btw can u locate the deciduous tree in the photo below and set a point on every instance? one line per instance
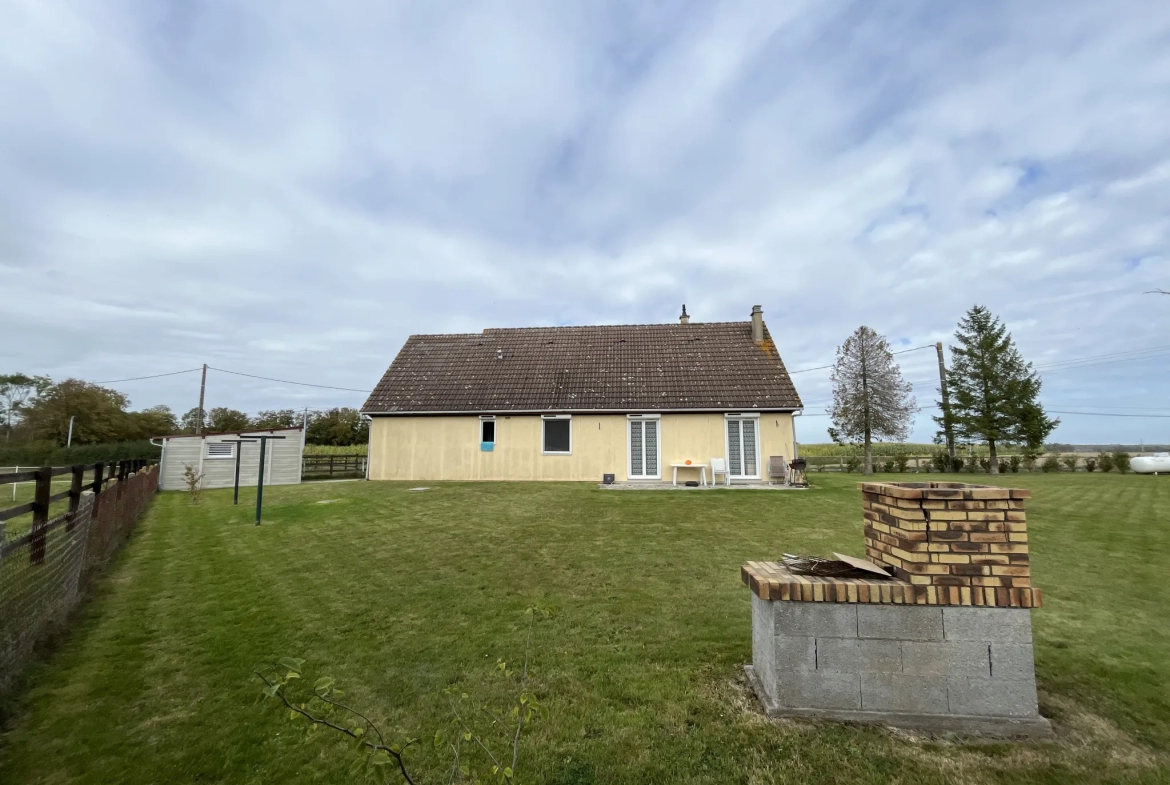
(99, 413)
(994, 393)
(190, 419)
(154, 421)
(277, 418)
(15, 391)
(871, 400)
(221, 418)
(342, 427)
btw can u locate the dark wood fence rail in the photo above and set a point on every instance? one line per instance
(330, 465)
(44, 498)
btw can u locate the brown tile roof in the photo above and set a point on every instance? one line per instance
(635, 367)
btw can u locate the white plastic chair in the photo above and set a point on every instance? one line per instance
(719, 466)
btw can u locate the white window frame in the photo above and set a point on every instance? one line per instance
(231, 454)
(545, 418)
(727, 443)
(495, 430)
(630, 419)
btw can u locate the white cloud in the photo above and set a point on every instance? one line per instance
(290, 193)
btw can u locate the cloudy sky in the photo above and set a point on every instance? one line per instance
(291, 189)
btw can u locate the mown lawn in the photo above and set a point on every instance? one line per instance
(399, 594)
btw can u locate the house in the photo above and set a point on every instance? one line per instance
(576, 403)
(214, 456)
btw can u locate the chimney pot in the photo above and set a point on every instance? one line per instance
(684, 319)
(757, 324)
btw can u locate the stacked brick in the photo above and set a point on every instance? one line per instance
(956, 544)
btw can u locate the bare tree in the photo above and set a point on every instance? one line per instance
(870, 398)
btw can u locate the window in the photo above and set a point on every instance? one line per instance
(743, 446)
(487, 430)
(221, 450)
(644, 446)
(558, 434)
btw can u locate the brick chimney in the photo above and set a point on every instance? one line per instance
(683, 318)
(757, 324)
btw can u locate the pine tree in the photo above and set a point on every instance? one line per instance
(870, 398)
(994, 393)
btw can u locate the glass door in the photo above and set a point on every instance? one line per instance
(743, 460)
(643, 444)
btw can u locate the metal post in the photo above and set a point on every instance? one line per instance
(260, 474)
(948, 428)
(202, 390)
(239, 454)
(69, 438)
(236, 482)
(260, 480)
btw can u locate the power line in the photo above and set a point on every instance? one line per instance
(806, 370)
(155, 376)
(823, 367)
(1110, 414)
(286, 381)
(915, 349)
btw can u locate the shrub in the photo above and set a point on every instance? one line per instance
(1121, 461)
(939, 461)
(1003, 465)
(1014, 464)
(1050, 464)
(1090, 464)
(50, 454)
(852, 463)
(888, 466)
(901, 461)
(985, 464)
(1070, 462)
(1029, 463)
(1105, 462)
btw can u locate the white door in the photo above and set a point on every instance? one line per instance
(743, 460)
(644, 453)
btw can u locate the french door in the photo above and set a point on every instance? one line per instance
(743, 439)
(644, 448)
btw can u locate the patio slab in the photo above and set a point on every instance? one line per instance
(666, 486)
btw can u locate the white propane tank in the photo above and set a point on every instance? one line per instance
(1158, 463)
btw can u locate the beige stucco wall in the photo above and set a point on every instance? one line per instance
(447, 448)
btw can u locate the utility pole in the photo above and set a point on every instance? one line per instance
(948, 428)
(202, 390)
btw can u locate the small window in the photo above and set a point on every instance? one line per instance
(220, 450)
(487, 429)
(558, 434)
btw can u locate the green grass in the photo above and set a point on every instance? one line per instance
(15, 494)
(398, 595)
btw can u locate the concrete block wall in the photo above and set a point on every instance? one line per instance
(895, 659)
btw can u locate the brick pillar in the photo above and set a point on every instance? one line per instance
(961, 544)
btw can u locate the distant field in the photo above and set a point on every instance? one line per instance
(891, 448)
(325, 449)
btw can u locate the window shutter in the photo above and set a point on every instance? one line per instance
(651, 427)
(636, 468)
(749, 448)
(734, 452)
